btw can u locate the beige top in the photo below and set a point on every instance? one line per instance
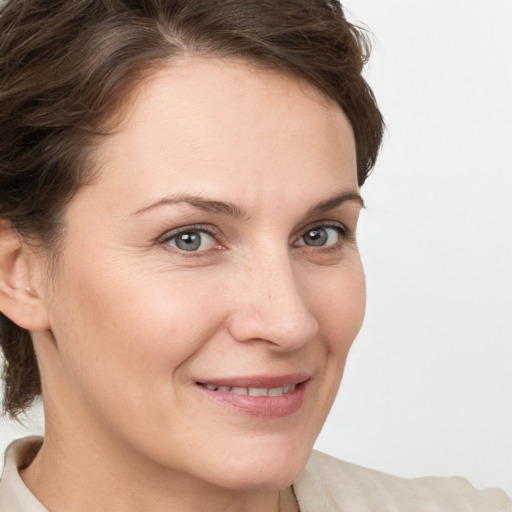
(326, 485)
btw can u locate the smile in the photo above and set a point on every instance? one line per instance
(263, 397)
(278, 391)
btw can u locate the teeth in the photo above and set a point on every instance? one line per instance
(258, 391)
(275, 392)
(282, 390)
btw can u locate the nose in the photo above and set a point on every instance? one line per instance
(271, 307)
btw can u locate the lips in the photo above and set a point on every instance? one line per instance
(260, 396)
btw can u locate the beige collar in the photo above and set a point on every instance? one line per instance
(14, 494)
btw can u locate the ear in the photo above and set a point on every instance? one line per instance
(19, 299)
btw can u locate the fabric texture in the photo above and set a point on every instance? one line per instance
(326, 485)
(331, 485)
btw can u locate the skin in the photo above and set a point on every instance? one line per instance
(133, 323)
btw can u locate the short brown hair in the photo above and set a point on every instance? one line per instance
(66, 64)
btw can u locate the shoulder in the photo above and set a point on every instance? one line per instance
(14, 495)
(328, 485)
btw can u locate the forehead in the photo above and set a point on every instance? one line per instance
(207, 122)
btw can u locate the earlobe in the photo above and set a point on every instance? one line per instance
(19, 300)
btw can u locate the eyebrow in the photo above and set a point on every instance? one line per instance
(338, 199)
(237, 211)
(207, 205)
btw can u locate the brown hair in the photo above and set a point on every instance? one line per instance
(66, 64)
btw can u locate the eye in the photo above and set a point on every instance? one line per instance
(321, 236)
(192, 240)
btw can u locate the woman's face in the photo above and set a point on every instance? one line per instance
(209, 287)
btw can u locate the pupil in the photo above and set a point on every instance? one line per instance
(189, 241)
(316, 237)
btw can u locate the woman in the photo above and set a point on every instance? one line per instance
(179, 274)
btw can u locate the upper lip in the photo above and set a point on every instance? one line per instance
(259, 381)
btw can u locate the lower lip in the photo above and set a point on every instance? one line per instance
(260, 406)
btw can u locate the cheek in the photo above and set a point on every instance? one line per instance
(339, 309)
(130, 328)
(338, 301)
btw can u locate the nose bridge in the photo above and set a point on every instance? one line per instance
(274, 305)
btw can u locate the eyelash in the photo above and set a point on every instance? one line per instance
(343, 231)
(200, 228)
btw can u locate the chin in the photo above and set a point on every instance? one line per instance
(268, 467)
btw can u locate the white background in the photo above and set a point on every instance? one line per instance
(428, 386)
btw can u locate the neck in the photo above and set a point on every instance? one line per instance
(66, 477)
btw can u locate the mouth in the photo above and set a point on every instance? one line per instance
(251, 391)
(264, 397)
